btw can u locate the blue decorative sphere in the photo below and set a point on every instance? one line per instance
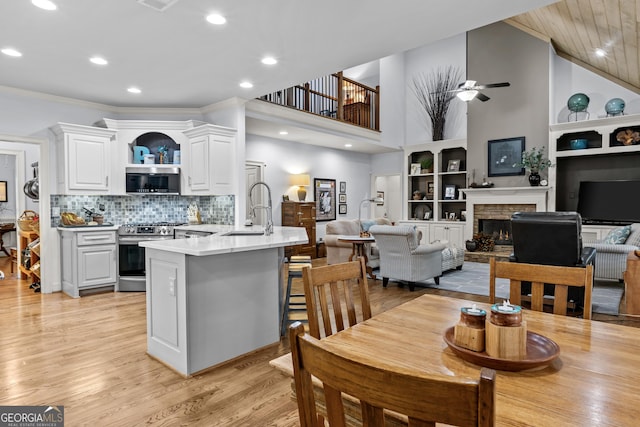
(614, 107)
(578, 102)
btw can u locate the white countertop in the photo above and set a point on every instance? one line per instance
(220, 244)
(76, 228)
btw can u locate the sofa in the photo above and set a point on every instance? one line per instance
(338, 252)
(612, 251)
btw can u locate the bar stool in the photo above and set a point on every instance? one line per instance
(294, 302)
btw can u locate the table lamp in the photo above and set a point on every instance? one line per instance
(377, 200)
(301, 180)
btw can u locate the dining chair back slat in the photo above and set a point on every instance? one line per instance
(330, 296)
(539, 275)
(424, 398)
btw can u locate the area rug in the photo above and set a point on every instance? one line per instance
(474, 279)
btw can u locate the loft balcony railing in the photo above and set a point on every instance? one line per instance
(335, 97)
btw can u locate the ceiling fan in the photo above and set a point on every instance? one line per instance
(470, 89)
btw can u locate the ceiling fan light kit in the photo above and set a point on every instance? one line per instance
(467, 95)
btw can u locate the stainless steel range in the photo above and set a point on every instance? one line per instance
(131, 266)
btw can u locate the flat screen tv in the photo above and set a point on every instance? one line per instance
(609, 202)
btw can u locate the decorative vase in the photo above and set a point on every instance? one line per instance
(471, 245)
(534, 179)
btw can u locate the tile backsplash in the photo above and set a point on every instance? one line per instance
(147, 208)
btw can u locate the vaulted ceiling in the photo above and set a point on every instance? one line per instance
(600, 35)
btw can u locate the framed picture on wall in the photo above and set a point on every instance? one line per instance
(3, 191)
(343, 186)
(325, 196)
(380, 195)
(342, 198)
(342, 209)
(503, 156)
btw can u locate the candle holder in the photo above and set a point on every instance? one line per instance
(506, 332)
(470, 330)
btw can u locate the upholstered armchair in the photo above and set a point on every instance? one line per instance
(612, 252)
(403, 258)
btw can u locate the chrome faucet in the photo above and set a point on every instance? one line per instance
(268, 228)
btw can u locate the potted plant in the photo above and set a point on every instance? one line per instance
(534, 162)
(426, 165)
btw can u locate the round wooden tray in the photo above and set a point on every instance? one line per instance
(540, 351)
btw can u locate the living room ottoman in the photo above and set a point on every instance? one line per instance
(452, 257)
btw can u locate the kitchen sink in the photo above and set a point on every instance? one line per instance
(244, 233)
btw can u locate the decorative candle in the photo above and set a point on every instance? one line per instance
(506, 314)
(473, 316)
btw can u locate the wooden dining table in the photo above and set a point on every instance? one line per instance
(594, 381)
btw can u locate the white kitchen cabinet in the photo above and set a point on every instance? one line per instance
(83, 159)
(89, 259)
(210, 161)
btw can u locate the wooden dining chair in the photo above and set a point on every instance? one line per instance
(329, 294)
(539, 275)
(422, 397)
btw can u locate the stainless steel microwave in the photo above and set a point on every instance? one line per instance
(153, 180)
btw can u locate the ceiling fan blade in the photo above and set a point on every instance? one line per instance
(468, 84)
(490, 85)
(482, 97)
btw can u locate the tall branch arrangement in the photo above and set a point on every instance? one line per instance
(434, 92)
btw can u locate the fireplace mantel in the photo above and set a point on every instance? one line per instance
(503, 196)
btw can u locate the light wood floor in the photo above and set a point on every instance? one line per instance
(88, 354)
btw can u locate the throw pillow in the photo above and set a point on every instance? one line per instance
(618, 236)
(366, 224)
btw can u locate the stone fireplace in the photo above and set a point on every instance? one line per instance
(497, 205)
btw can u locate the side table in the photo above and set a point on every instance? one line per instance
(359, 249)
(632, 284)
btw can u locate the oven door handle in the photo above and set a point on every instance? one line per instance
(136, 240)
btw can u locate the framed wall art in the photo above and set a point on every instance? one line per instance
(3, 191)
(342, 198)
(503, 155)
(380, 195)
(342, 209)
(343, 186)
(325, 196)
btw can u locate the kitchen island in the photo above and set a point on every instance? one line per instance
(211, 299)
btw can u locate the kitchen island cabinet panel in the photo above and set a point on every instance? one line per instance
(201, 312)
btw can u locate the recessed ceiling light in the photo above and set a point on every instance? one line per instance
(269, 60)
(134, 90)
(44, 4)
(11, 52)
(98, 60)
(284, 132)
(348, 145)
(601, 53)
(216, 19)
(246, 85)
